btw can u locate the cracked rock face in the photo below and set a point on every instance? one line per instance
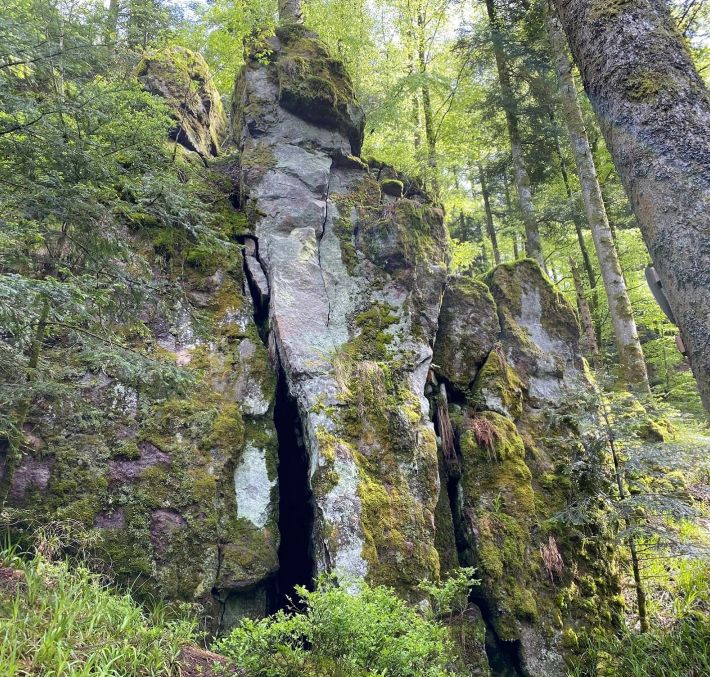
(355, 279)
(525, 451)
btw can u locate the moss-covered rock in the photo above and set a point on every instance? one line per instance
(315, 86)
(468, 330)
(150, 466)
(520, 428)
(182, 78)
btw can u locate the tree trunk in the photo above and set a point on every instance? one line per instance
(416, 112)
(589, 338)
(490, 226)
(622, 319)
(111, 32)
(432, 179)
(635, 568)
(290, 12)
(654, 112)
(533, 246)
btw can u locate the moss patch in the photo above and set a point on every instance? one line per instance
(315, 86)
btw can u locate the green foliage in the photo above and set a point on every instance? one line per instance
(93, 198)
(683, 649)
(450, 597)
(346, 631)
(57, 619)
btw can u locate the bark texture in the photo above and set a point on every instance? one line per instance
(490, 226)
(654, 113)
(622, 319)
(533, 247)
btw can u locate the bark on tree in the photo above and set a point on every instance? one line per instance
(654, 112)
(533, 246)
(490, 226)
(589, 338)
(625, 333)
(290, 12)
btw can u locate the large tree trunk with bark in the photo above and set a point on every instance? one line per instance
(622, 319)
(533, 245)
(654, 112)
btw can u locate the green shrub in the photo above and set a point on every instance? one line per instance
(343, 632)
(57, 620)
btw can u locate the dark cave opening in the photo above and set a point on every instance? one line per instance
(296, 506)
(503, 656)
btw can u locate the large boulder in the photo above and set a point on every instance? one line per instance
(468, 330)
(182, 78)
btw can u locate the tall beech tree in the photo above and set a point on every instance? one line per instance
(654, 112)
(620, 311)
(533, 245)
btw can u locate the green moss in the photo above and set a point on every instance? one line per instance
(315, 86)
(228, 428)
(645, 84)
(497, 484)
(373, 338)
(258, 159)
(393, 187)
(608, 9)
(497, 382)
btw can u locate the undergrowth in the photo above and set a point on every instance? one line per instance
(350, 631)
(58, 619)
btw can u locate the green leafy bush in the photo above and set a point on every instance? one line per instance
(343, 632)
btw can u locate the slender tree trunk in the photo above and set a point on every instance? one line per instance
(416, 111)
(290, 12)
(432, 168)
(533, 245)
(588, 269)
(622, 319)
(586, 259)
(654, 112)
(589, 335)
(635, 568)
(111, 32)
(490, 226)
(509, 212)
(14, 456)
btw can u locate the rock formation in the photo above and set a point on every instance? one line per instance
(353, 408)
(355, 279)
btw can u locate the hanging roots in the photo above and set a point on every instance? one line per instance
(446, 430)
(485, 433)
(552, 559)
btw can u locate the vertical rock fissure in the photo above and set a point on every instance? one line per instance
(320, 240)
(503, 656)
(296, 504)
